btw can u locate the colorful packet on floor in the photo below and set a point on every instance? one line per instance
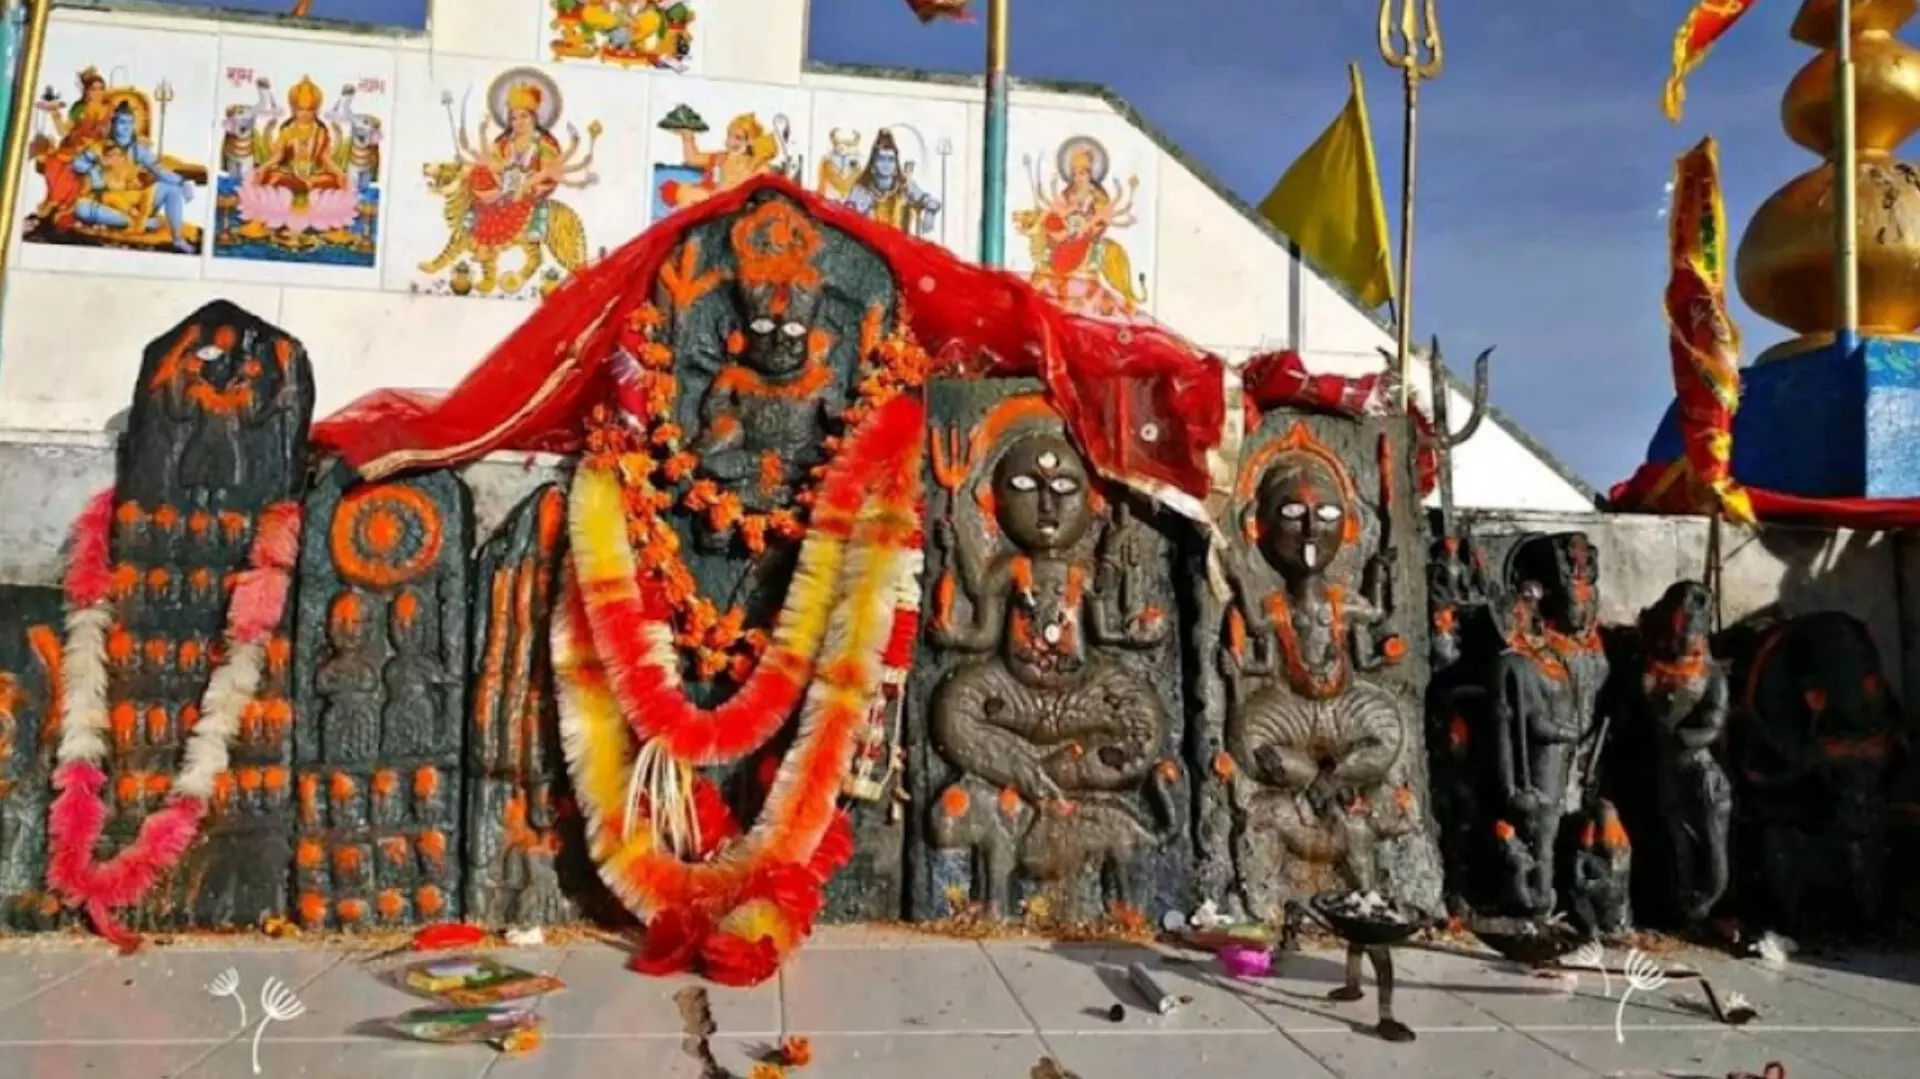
(453, 1026)
(476, 982)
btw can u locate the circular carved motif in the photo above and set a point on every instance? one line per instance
(385, 536)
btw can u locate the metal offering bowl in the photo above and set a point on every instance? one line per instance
(1374, 932)
(1526, 940)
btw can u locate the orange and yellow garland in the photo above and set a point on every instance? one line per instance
(743, 902)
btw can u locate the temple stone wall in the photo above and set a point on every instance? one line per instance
(389, 324)
(1870, 575)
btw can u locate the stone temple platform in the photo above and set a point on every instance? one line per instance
(884, 1005)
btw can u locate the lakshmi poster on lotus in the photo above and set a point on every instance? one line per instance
(1081, 195)
(711, 136)
(383, 14)
(646, 34)
(900, 161)
(117, 175)
(302, 140)
(510, 179)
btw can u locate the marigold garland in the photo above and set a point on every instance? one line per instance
(79, 812)
(745, 904)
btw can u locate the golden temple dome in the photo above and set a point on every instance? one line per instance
(1787, 263)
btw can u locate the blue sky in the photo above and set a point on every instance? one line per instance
(1542, 163)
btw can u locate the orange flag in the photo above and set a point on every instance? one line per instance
(1702, 341)
(1705, 24)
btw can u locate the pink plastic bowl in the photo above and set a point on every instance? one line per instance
(1245, 962)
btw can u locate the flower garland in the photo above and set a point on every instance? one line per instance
(748, 900)
(79, 813)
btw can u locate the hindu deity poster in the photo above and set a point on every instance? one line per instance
(385, 14)
(298, 195)
(117, 172)
(899, 160)
(646, 34)
(709, 136)
(1081, 202)
(510, 179)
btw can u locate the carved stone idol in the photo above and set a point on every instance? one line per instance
(380, 701)
(1542, 696)
(31, 621)
(1675, 717)
(1815, 747)
(217, 433)
(1057, 762)
(517, 789)
(1324, 762)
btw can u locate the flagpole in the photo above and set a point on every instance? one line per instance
(19, 122)
(993, 206)
(1846, 173)
(1416, 56)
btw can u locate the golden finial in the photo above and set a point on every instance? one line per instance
(1787, 258)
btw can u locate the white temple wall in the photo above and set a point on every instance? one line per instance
(76, 318)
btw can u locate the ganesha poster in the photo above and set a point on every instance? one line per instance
(1082, 193)
(644, 35)
(299, 192)
(898, 160)
(708, 136)
(510, 178)
(118, 171)
(384, 14)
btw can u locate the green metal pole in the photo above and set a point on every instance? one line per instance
(1846, 174)
(993, 205)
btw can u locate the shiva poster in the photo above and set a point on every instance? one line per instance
(655, 34)
(1081, 195)
(116, 180)
(710, 136)
(898, 160)
(381, 14)
(512, 179)
(302, 139)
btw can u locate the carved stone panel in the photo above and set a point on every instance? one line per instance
(1526, 713)
(1044, 719)
(216, 434)
(519, 813)
(1313, 763)
(380, 700)
(30, 626)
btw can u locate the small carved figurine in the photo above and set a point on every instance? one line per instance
(349, 682)
(1602, 873)
(416, 719)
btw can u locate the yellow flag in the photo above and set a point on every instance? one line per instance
(1329, 204)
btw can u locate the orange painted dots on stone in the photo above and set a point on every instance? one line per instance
(346, 860)
(311, 855)
(126, 789)
(313, 909)
(425, 782)
(954, 802)
(394, 849)
(391, 905)
(158, 785)
(165, 517)
(1223, 765)
(310, 797)
(341, 787)
(1009, 801)
(353, 911)
(126, 577)
(156, 724)
(433, 844)
(120, 646)
(198, 522)
(430, 900)
(127, 514)
(384, 783)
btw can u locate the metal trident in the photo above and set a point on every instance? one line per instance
(1416, 55)
(1407, 52)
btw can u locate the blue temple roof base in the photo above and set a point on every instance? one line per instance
(1825, 423)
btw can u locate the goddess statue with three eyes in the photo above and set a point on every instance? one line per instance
(1054, 738)
(1317, 752)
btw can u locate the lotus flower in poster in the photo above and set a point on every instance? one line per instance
(932, 10)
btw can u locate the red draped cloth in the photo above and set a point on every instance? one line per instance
(1663, 487)
(1145, 405)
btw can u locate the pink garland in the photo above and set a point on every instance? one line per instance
(79, 812)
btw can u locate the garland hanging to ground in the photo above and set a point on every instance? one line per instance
(79, 811)
(745, 901)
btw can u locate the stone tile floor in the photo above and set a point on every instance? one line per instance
(888, 1005)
